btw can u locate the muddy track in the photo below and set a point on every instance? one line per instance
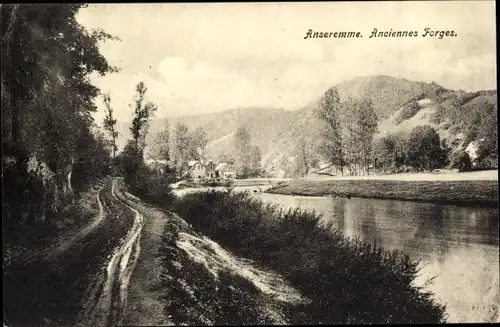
(107, 296)
(83, 281)
(198, 282)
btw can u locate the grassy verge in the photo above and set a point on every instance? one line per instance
(470, 193)
(347, 281)
(192, 295)
(41, 236)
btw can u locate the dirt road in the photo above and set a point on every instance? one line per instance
(184, 278)
(83, 281)
(136, 264)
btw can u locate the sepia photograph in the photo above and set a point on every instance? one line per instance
(265, 163)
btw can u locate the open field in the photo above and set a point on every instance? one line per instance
(485, 175)
(482, 193)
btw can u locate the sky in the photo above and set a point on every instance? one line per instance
(207, 57)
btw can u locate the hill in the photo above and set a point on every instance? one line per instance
(400, 104)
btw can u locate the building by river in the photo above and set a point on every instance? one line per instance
(201, 170)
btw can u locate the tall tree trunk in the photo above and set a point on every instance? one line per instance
(114, 140)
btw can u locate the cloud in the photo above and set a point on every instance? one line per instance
(197, 58)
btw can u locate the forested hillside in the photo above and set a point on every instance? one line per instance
(400, 105)
(51, 149)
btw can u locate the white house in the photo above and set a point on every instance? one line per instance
(199, 169)
(196, 169)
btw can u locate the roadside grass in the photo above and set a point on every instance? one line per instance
(193, 296)
(41, 236)
(470, 193)
(346, 280)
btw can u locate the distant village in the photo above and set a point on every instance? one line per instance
(200, 169)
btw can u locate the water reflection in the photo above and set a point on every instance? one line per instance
(457, 245)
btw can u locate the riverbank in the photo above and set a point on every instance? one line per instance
(369, 284)
(481, 193)
(232, 183)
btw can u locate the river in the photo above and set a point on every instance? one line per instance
(459, 246)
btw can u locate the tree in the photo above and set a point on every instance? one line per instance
(131, 162)
(142, 116)
(255, 161)
(461, 160)
(367, 122)
(198, 144)
(385, 151)
(143, 113)
(443, 155)
(162, 142)
(424, 148)
(181, 148)
(409, 110)
(360, 127)
(390, 152)
(92, 158)
(329, 111)
(243, 147)
(302, 161)
(47, 99)
(488, 134)
(351, 134)
(110, 122)
(226, 158)
(161, 148)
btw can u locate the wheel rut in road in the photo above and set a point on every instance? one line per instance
(107, 296)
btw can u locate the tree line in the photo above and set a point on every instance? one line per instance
(178, 146)
(350, 144)
(349, 129)
(51, 148)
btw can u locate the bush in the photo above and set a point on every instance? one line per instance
(348, 281)
(152, 186)
(461, 161)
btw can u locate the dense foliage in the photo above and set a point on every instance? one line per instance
(49, 142)
(422, 150)
(349, 129)
(247, 157)
(348, 281)
(147, 182)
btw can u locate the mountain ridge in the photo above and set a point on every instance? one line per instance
(277, 131)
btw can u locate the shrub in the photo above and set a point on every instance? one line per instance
(348, 281)
(152, 186)
(461, 161)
